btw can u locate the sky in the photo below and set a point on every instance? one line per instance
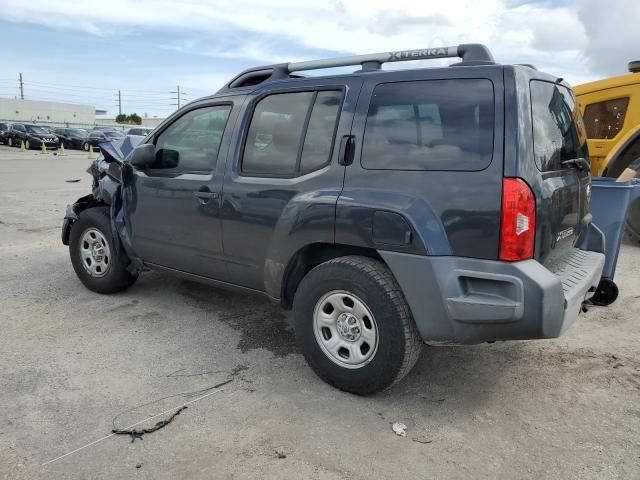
(84, 52)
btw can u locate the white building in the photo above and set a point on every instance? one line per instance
(46, 112)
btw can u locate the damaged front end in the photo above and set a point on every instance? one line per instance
(111, 187)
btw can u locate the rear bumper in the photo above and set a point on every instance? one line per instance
(466, 300)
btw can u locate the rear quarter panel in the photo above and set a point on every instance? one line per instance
(451, 212)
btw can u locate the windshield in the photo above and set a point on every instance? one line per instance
(37, 130)
(113, 134)
(78, 132)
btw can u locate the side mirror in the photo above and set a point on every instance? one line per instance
(143, 156)
(168, 158)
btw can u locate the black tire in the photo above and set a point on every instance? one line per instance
(606, 293)
(116, 278)
(398, 341)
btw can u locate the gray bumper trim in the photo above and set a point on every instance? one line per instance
(466, 300)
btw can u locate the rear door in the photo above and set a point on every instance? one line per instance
(561, 157)
(281, 186)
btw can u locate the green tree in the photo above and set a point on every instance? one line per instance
(134, 119)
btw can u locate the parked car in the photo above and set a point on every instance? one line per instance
(385, 208)
(72, 137)
(4, 132)
(139, 131)
(96, 137)
(107, 128)
(33, 136)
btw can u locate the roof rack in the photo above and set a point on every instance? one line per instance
(470, 53)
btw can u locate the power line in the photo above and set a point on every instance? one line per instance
(67, 86)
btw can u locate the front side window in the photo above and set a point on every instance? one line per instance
(430, 125)
(558, 129)
(291, 133)
(192, 142)
(604, 120)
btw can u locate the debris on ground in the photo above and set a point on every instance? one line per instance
(422, 439)
(138, 433)
(139, 465)
(73, 180)
(400, 429)
(280, 454)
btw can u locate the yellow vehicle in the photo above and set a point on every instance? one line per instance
(611, 112)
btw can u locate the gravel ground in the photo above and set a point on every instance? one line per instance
(72, 360)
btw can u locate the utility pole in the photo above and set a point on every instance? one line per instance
(21, 87)
(178, 96)
(119, 103)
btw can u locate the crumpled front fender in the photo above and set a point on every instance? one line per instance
(110, 188)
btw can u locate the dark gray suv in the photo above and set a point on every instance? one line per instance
(386, 208)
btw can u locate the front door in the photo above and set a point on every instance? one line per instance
(174, 216)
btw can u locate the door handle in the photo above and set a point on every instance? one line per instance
(347, 150)
(204, 195)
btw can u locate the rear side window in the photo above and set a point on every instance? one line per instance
(291, 133)
(558, 130)
(604, 120)
(430, 125)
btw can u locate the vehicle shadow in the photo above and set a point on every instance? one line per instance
(462, 378)
(261, 323)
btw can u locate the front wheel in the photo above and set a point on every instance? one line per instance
(10, 142)
(354, 326)
(85, 147)
(93, 254)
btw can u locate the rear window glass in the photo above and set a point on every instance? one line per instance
(430, 125)
(604, 120)
(291, 134)
(558, 130)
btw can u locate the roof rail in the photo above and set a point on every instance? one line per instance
(470, 53)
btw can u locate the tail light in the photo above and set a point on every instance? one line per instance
(518, 224)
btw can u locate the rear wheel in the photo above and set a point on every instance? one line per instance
(93, 254)
(354, 326)
(85, 147)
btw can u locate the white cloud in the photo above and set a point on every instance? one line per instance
(579, 42)
(613, 34)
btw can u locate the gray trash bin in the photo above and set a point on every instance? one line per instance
(609, 206)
